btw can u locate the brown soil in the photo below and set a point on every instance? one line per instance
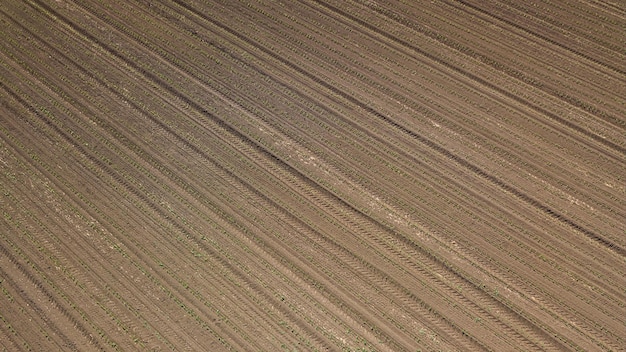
(332, 175)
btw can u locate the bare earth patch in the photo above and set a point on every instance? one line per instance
(312, 175)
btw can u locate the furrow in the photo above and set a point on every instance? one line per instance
(407, 48)
(550, 212)
(311, 175)
(138, 195)
(58, 300)
(557, 39)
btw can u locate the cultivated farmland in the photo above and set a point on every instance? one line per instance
(330, 175)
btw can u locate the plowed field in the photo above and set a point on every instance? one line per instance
(332, 175)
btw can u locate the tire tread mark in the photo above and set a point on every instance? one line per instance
(367, 227)
(257, 69)
(304, 97)
(120, 179)
(550, 212)
(29, 302)
(258, 148)
(511, 72)
(275, 166)
(12, 336)
(166, 87)
(393, 146)
(188, 101)
(75, 322)
(447, 65)
(423, 140)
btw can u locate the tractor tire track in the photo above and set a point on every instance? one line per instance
(434, 146)
(141, 196)
(224, 170)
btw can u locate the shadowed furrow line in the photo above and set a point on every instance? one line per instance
(475, 78)
(266, 74)
(186, 100)
(52, 298)
(432, 145)
(164, 215)
(116, 177)
(510, 71)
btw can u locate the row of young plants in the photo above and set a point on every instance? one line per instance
(65, 300)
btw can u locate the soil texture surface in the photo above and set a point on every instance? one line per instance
(312, 175)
